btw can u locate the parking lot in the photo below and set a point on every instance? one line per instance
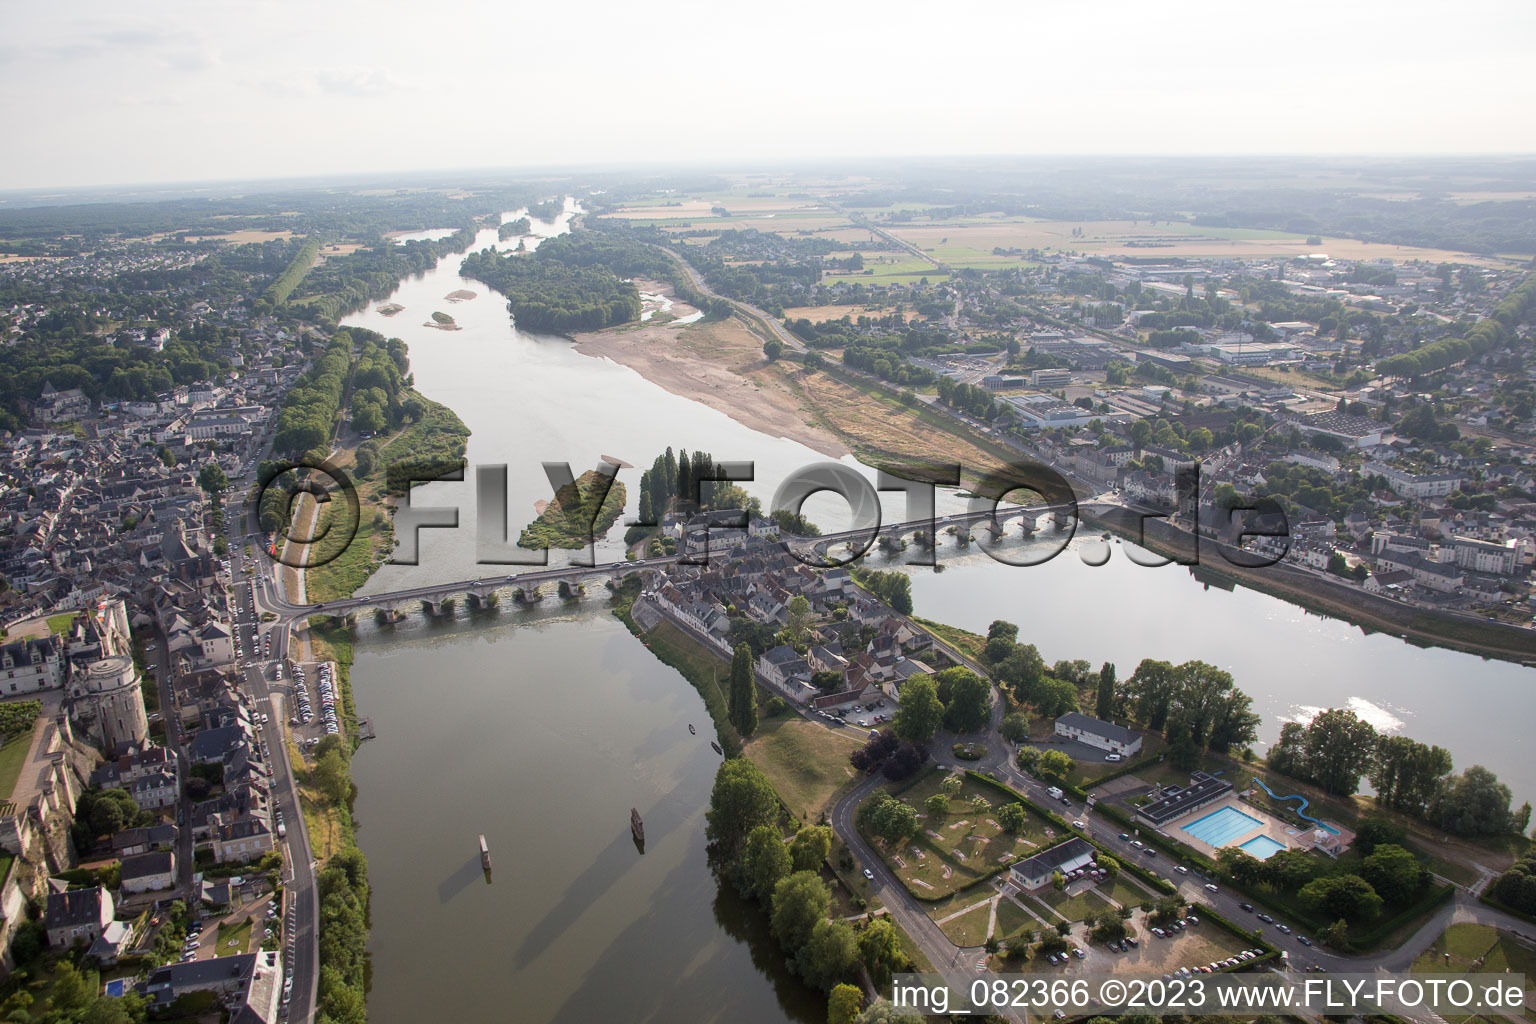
(315, 710)
(870, 715)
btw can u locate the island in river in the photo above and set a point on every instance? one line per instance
(579, 513)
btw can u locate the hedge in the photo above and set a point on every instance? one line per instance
(1496, 904)
(1373, 938)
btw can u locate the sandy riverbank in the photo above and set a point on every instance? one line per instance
(711, 363)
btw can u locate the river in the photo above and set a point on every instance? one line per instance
(541, 727)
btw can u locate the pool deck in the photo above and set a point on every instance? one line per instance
(1280, 831)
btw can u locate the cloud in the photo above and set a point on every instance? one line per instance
(353, 80)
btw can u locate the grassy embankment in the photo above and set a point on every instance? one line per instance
(439, 436)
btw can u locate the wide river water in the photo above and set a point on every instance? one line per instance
(542, 727)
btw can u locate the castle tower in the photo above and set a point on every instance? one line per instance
(109, 693)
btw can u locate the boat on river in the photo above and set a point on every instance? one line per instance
(485, 854)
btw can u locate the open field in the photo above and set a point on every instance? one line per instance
(974, 239)
(817, 314)
(243, 237)
(806, 763)
(887, 268)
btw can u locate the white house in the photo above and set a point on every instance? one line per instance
(1116, 739)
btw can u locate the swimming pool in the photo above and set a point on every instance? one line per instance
(1222, 826)
(1262, 847)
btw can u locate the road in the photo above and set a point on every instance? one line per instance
(252, 595)
(943, 953)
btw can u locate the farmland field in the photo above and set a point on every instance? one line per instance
(973, 239)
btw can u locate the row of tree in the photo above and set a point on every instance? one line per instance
(1337, 748)
(747, 830)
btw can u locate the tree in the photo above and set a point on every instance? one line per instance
(213, 480)
(1015, 727)
(799, 901)
(1001, 636)
(844, 1003)
(798, 622)
(1104, 706)
(1347, 896)
(967, 699)
(1337, 934)
(888, 817)
(742, 799)
(1406, 773)
(1151, 690)
(951, 786)
(743, 692)
(1377, 831)
(1394, 873)
(1475, 804)
(1333, 750)
(332, 774)
(884, 1012)
(810, 847)
(1054, 764)
(765, 861)
(1012, 817)
(828, 955)
(880, 949)
(918, 711)
(1023, 669)
(936, 805)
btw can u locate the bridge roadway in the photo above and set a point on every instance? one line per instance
(435, 591)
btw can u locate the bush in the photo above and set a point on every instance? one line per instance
(969, 751)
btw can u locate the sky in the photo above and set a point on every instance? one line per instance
(96, 92)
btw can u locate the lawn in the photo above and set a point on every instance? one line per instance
(969, 929)
(1468, 942)
(965, 846)
(806, 763)
(13, 755)
(1073, 908)
(59, 623)
(1124, 891)
(240, 935)
(1011, 920)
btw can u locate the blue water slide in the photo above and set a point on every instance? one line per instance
(1301, 808)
